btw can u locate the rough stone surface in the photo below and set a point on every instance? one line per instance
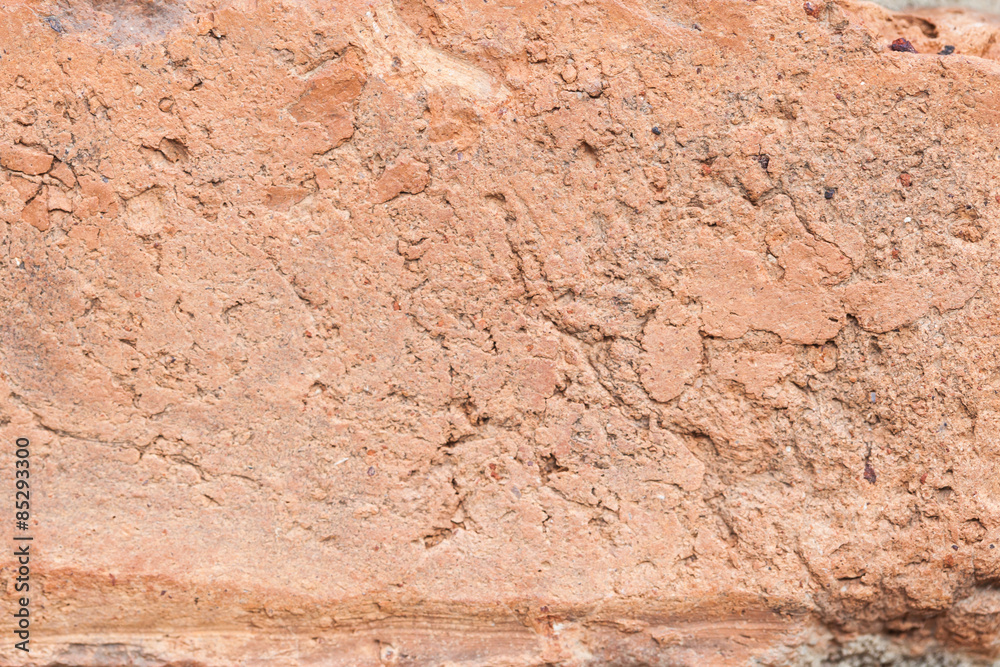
(502, 333)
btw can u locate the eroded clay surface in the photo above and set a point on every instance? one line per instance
(501, 333)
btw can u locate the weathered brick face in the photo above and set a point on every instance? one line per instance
(570, 333)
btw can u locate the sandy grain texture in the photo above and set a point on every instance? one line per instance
(426, 332)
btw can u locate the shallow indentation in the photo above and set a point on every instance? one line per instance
(121, 22)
